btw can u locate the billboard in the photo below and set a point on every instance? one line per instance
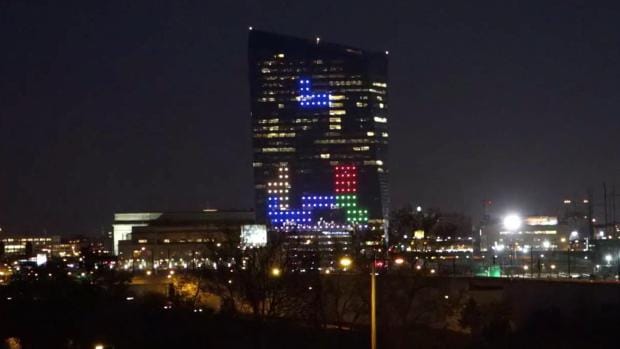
(253, 235)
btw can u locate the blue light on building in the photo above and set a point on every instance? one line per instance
(310, 98)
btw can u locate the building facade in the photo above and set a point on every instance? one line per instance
(530, 232)
(175, 239)
(319, 118)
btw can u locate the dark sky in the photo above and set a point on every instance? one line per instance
(143, 105)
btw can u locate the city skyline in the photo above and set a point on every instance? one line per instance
(102, 113)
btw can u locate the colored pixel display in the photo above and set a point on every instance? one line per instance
(343, 198)
(309, 98)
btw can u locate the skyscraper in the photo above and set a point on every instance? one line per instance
(319, 117)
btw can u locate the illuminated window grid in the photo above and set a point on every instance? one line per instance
(290, 217)
(318, 201)
(345, 185)
(357, 216)
(278, 190)
(345, 179)
(309, 98)
(346, 201)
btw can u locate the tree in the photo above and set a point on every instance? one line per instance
(406, 220)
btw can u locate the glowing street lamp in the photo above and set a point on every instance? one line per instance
(608, 258)
(345, 262)
(399, 261)
(275, 272)
(512, 222)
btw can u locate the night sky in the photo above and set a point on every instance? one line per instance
(112, 106)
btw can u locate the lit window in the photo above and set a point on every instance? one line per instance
(380, 119)
(337, 112)
(325, 156)
(278, 150)
(335, 119)
(370, 133)
(334, 127)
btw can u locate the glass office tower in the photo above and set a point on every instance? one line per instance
(319, 118)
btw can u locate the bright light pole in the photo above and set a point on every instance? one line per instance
(512, 222)
(373, 307)
(347, 262)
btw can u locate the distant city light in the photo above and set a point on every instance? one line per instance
(512, 222)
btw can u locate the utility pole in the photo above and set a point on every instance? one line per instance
(590, 213)
(570, 243)
(605, 203)
(532, 261)
(373, 307)
(613, 208)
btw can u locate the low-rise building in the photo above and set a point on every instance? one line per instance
(182, 239)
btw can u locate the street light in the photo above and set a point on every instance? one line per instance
(345, 262)
(399, 261)
(512, 222)
(275, 272)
